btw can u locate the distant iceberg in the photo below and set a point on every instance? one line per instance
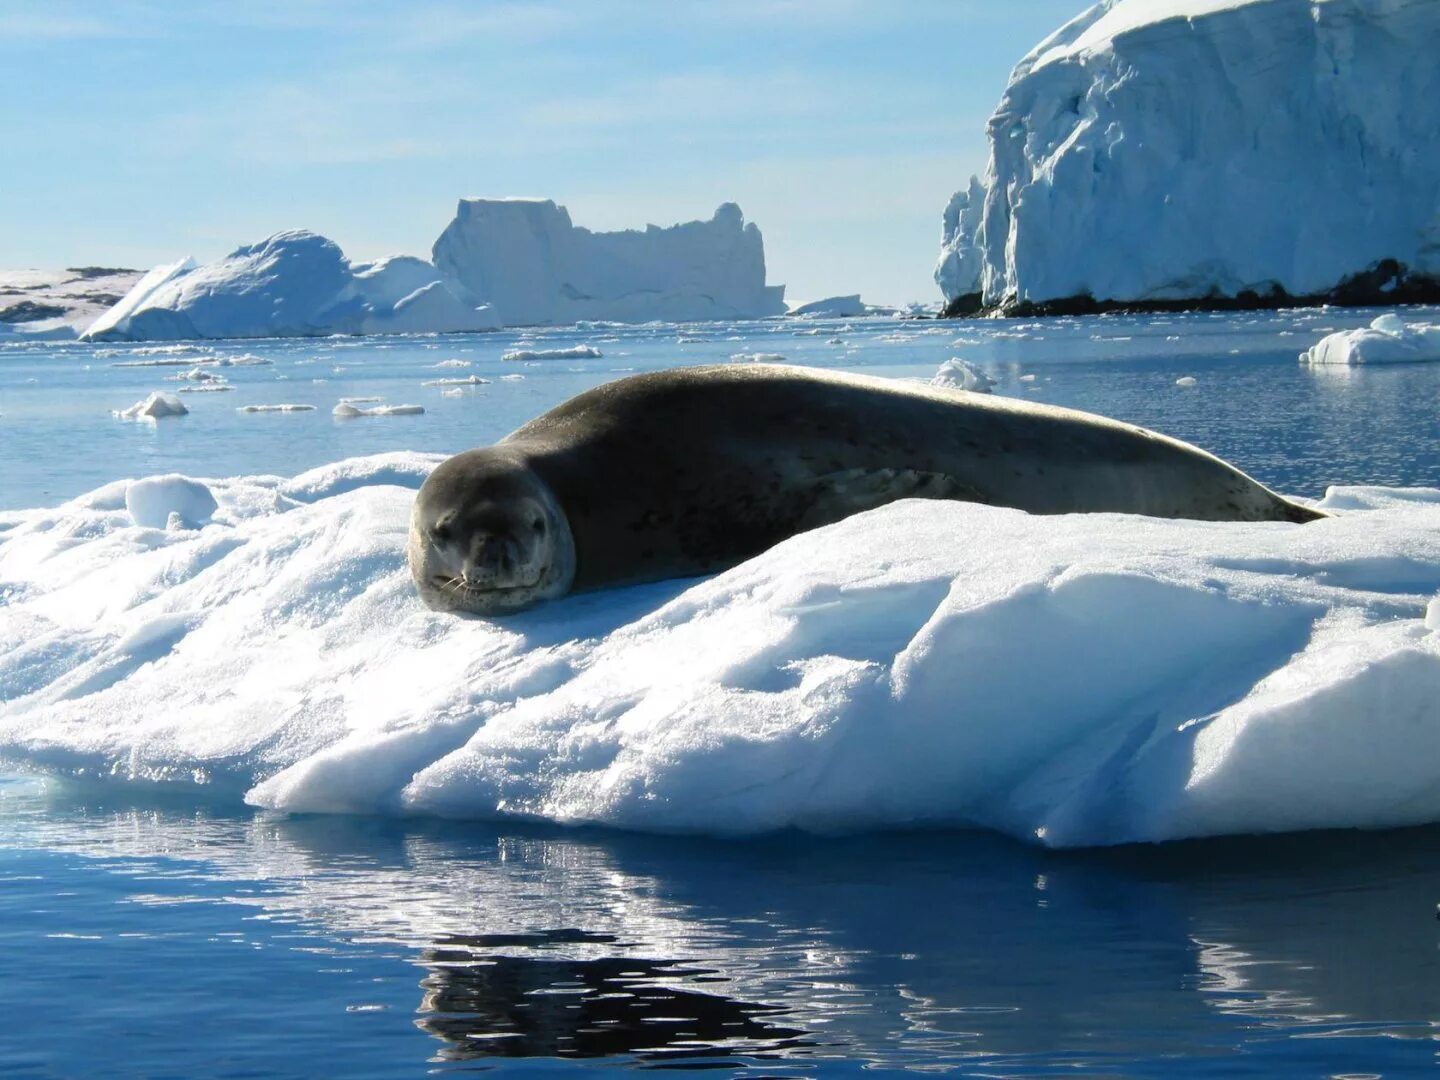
(526, 258)
(1068, 679)
(516, 260)
(832, 307)
(293, 284)
(1182, 153)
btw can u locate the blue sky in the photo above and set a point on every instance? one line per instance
(136, 131)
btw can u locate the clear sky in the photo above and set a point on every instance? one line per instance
(137, 131)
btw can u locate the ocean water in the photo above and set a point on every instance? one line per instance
(194, 937)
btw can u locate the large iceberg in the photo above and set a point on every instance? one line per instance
(526, 258)
(1078, 679)
(293, 284)
(1174, 153)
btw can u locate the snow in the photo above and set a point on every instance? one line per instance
(1387, 340)
(832, 307)
(157, 501)
(1170, 149)
(526, 258)
(155, 407)
(962, 375)
(293, 284)
(1085, 679)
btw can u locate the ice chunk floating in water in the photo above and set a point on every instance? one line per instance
(1082, 679)
(1387, 340)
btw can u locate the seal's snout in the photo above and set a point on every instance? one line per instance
(495, 563)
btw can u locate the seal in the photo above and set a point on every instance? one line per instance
(691, 470)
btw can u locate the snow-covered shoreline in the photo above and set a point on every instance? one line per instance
(1088, 679)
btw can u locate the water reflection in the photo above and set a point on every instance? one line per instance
(917, 950)
(487, 1004)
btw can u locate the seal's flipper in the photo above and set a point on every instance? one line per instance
(837, 495)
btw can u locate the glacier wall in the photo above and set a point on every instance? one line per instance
(526, 258)
(1170, 151)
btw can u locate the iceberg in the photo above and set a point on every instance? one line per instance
(1387, 340)
(1184, 153)
(1070, 680)
(526, 258)
(293, 284)
(832, 307)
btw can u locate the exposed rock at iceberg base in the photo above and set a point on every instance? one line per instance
(1164, 154)
(526, 258)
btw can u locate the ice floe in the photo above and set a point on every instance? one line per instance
(1387, 340)
(1082, 679)
(573, 352)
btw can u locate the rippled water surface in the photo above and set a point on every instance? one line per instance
(184, 939)
(1292, 427)
(164, 940)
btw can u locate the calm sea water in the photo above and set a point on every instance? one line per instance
(186, 939)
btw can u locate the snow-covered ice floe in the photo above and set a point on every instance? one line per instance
(1387, 340)
(1082, 679)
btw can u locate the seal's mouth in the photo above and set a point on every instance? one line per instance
(456, 586)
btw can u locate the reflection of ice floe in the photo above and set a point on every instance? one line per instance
(843, 940)
(1077, 679)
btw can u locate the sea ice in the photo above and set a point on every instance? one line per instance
(575, 352)
(346, 411)
(1074, 679)
(281, 408)
(1387, 340)
(757, 358)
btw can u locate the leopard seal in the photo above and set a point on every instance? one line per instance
(688, 471)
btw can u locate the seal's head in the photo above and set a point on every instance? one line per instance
(487, 536)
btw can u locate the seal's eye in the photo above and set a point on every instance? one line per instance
(538, 524)
(440, 532)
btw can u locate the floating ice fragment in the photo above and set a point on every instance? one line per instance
(578, 352)
(155, 407)
(960, 374)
